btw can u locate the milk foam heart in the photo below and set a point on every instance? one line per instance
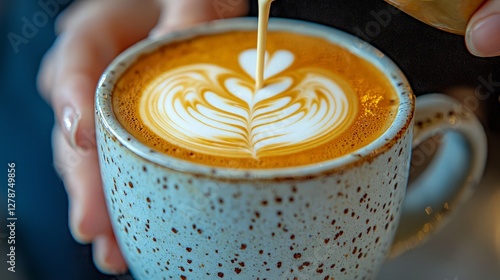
(195, 100)
(214, 110)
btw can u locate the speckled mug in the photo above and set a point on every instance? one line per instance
(337, 219)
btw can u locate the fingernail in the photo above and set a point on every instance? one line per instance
(69, 125)
(100, 248)
(105, 258)
(157, 32)
(483, 37)
(76, 217)
(153, 33)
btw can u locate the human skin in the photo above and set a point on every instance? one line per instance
(91, 34)
(483, 31)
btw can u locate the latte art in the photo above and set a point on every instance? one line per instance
(210, 109)
(196, 100)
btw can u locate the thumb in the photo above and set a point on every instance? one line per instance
(483, 30)
(177, 14)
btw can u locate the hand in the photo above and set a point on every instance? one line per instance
(92, 33)
(483, 30)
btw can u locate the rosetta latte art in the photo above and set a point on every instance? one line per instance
(213, 110)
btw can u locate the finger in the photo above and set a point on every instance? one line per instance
(181, 14)
(46, 74)
(483, 31)
(49, 63)
(67, 16)
(80, 172)
(89, 219)
(107, 256)
(80, 55)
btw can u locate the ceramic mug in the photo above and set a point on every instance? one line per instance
(336, 219)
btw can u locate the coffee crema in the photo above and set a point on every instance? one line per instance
(196, 100)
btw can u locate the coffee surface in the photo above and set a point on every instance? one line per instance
(196, 100)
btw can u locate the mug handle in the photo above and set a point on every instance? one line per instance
(451, 159)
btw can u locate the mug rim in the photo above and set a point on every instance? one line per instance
(401, 123)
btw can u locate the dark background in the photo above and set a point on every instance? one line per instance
(434, 61)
